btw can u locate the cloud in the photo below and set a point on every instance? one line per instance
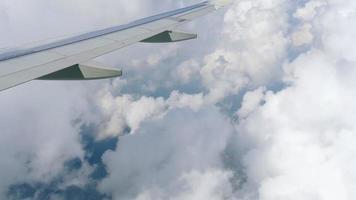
(303, 135)
(303, 35)
(250, 101)
(169, 157)
(252, 50)
(309, 10)
(300, 134)
(34, 145)
(291, 141)
(127, 113)
(187, 71)
(40, 129)
(294, 143)
(251, 54)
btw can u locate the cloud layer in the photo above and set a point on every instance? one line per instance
(261, 108)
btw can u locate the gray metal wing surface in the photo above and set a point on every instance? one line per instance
(67, 59)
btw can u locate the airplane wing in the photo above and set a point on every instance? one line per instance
(70, 58)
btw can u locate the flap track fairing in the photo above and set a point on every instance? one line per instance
(87, 71)
(170, 36)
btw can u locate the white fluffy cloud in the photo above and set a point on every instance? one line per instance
(304, 135)
(252, 49)
(34, 145)
(250, 53)
(301, 134)
(175, 157)
(294, 143)
(127, 112)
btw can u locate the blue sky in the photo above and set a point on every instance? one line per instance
(259, 107)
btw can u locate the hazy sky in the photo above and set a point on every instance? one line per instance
(260, 107)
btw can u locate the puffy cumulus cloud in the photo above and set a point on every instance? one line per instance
(335, 24)
(38, 133)
(247, 49)
(305, 14)
(213, 184)
(252, 49)
(250, 101)
(187, 71)
(295, 143)
(308, 11)
(250, 52)
(125, 113)
(39, 120)
(304, 135)
(302, 36)
(175, 157)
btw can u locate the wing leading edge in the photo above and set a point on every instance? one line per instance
(69, 56)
